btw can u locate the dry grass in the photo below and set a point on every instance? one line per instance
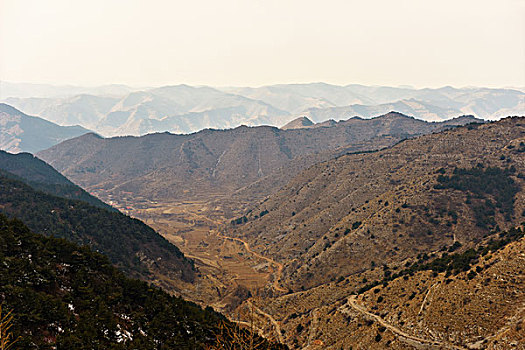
(7, 340)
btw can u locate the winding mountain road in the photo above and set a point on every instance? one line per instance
(272, 320)
(352, 302)
(275, 284)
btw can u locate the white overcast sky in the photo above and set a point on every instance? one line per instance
(259, 42)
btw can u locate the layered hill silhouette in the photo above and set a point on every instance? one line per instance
(23, 133)
(180, 108)
(120, 110)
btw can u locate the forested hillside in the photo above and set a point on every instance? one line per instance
(63, 296)
(41, 176)
(129, 243)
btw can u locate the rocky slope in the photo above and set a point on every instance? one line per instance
(400, 248)
(390, 205)
(482, 307)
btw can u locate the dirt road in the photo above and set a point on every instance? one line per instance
(352, 302)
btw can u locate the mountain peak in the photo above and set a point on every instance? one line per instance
(301, 122)
(93, 135)
(394, 114)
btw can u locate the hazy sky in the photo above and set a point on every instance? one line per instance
(252, 42)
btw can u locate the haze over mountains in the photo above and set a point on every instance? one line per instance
(25, 90)
(120, 110)
(23, 133)
(372, 226)
(268, 180)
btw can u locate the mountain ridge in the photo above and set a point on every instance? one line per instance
(222, 160)
(185, 109)
(326, 185)
(41, 176)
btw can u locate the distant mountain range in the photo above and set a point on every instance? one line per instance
(119, 110)
(20, 132)
(180, 109)
(305, 123)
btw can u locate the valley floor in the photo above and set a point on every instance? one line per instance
(243, 284)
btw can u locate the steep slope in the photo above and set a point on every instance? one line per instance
(394, 131)
(342, 216)
(129, 243)
(65, 296)
(214, 162)
(42, 177)
(22, 133)
(429, 211)
(482, 306)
